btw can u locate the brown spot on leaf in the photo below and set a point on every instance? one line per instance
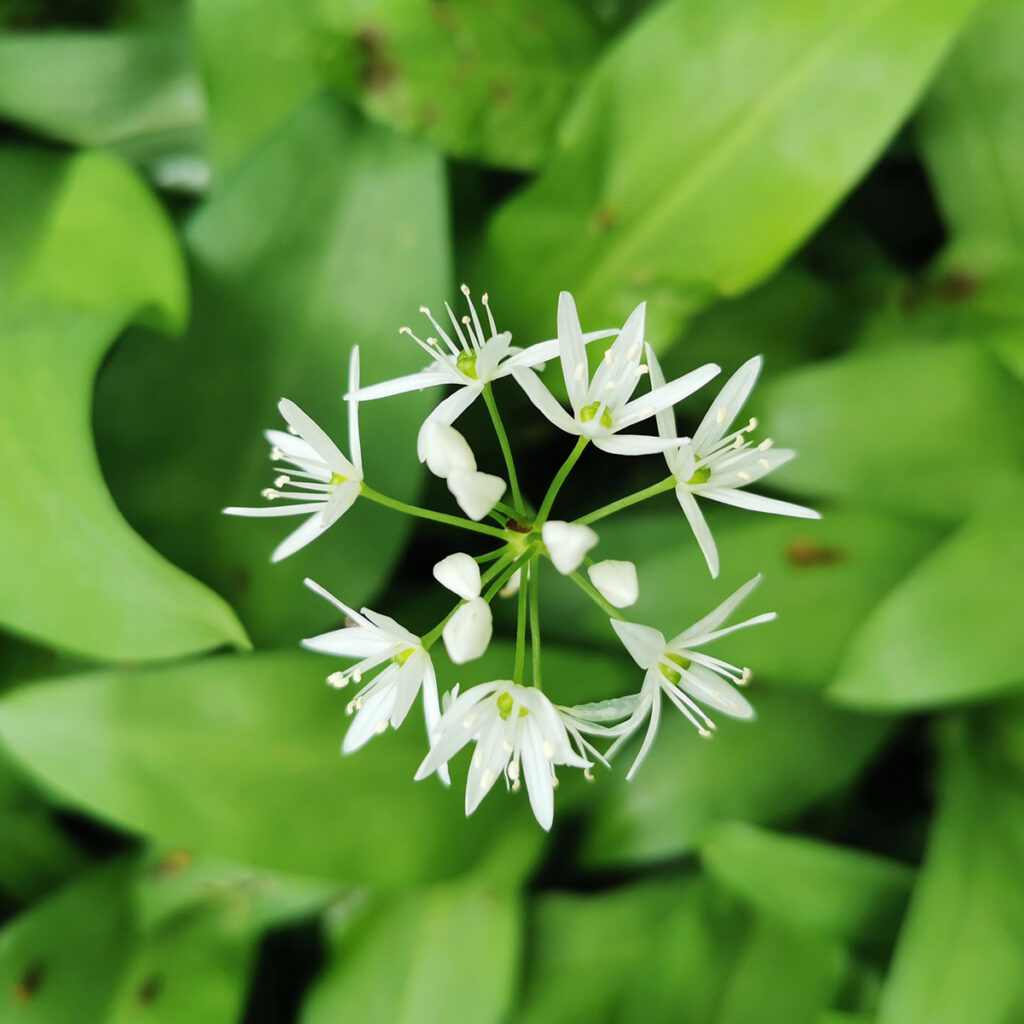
(376, 71)
(30, 982)
(149, 990)
(956, 286)
(803, 552)
(173, 863)
(502, 93)
(605, 218)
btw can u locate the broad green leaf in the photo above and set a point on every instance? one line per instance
(971, 130)
(238, 757)
(100, 254)
(486, 83)
(896, 428)
(291, 269)
(822, 577)
(705, 146)
(442, 954)
(943, 635)
(795, 753)
(136, 92)
(959, 954)
(815, 887)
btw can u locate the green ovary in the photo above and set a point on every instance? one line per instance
(466, 363)
(337, 478)
(670, 673)
(403, 656)
(700, 476)
(505, 705)
(588, 412)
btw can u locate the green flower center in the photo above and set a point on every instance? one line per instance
(670, 673)
(588, 412)
(701, 475)
(505, 705)
(403, 656)
(337, 478)
(466, 362)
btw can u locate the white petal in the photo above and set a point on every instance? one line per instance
(616, 582)
(305, 508)
(307, 532)
(545, 351)
(616, 378)
(337, 602)
(365, 725)
(759, 503)
(567, 543)
(665, 418)
(572, 351)
(317, 438)
(468, 632)
(354, 445)
(706, 638)
(447, 412)
(476, 493)
(428, 378)
(544, 400)
(432, 713)
(340, 501)
(666, 396)
(407, 685)
(537, 775)
(645, 644)
(389, 627)
(512, 587)
(460, 574)
(635, 444)
(452, 733)
(350, 642)
(445, 450)
(489, 760)
(652, 731)
(711, 689)
(701, 530)
(726, 405)
(715, 618)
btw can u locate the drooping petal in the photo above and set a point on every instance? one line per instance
(468, 632)
(644, 643)
(460, 574)
(459, 725)
(748, 466)
(489, 760)
(476, 493)
(759, 503)
(711, 689)
(616, 581)
(665, 396)
(537, 775)
(700, 528)
(544, 401)
(567, 543)
(432, 712)
(317, 438)
(726, 406)
(716, 617)
(652, 731)
(307, 532)
(573, 352)
(431, 377)
(407, 685)
(445, 450)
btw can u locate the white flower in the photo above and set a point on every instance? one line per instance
(476, 493)
(378, 640)
(601, 406)
(513, 727)
(321, 482)
(460, 574)
(616, 582)
(717, 464)
(684, 674)
(567, 543)
(468, 632)
(446, 451)
(473, 358)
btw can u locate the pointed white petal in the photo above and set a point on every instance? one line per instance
(546, 402)
(759, 503)
(544, 351)
(445, 450)
(354, 445)
(337, 602)
(537, 775)
(295, 449)
(572, 352)
(567, 543)
(367, 722)
(711, 689)
(432, 712)
(652, 731)
(317, 438)
(616, 582)
(645, 644)
(305, 508)
(715, 618)
(666, 396)
(407, 685)
(706, 638)
(665, 417)
(468, 632)
(616, 378)
(390, 628)
(307, 532)
(489, 758)
(726, 406)
(701, 530)
(351, 642)
(476, 493)
(340, 502)
(635, 444)
(431, 377)
(460, 574)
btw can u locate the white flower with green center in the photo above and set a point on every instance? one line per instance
(603, 405)
(378, 642)
(686, 675)
(518, 733)
(468, 358)
(718, 463)
(319, 482)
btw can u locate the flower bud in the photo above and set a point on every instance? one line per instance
(468, 631)
(460, 574)
(475, 492)
(567, 544)
(445, 450)
(616, 582)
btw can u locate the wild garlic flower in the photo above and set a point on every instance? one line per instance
(320, 482)
(567, 544)
(603, 405)
(377, 640)
(448, 455)
(684, 674)
(616, 582)
(719, 464)
(467, 633)
(518, 733)
(468, 358)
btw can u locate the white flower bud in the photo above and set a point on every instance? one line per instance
(616, 582)
(460, 574)
(468, 631)
(445, 450)
(475, 492)
(512, 587)
(567, 543)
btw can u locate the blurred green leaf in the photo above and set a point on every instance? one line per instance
(291, 269)
(136, 92)
(822, 577)
(815, 887)
(480, 82)
(705, 147)
(886, 427)
(972, 135)
(959, 955)
(945, 633)
(797, 752)
(98, 253)
(444, 954)
(238, 757)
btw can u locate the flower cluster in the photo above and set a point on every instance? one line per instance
(518, 732)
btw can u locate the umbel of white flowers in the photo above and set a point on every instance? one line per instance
(518, 733)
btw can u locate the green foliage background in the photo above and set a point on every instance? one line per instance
(204, 205)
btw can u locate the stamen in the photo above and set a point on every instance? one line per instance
(458, 330)
(440, 330)
(513, 771)
(752, 425)
(746, 677)
(739, 442)
(722, 415)
(640, 371)
(358, 677)
(276, 454)
(350, 707)
(490, 316)
(269, 494)
(765, 444)
(516, 784)
(609, 356)
(554, 781)
(282, 481)
(588, 775)
(382, 726)
(338, 680)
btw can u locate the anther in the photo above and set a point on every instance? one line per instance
(746, 677)
(350, 707)
(405, 330)
(721, 415)
(464, 288)
(516, 784)
(485, 298)
(282, 481)
(358, 677)
(765, 444)
(338, 680)
(739, 442)
(744, 476)
(704, 734)
(640, 371)
(382, 726)
(752, 425)
(554, 781)
(276, 454)
(425, 310)
(466, 321)
(588, 775)
(508, 746)
(269, 494)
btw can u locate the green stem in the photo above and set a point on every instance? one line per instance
(425, 513)
(556, 484)
(632, 499)
(506, 449)
(491, 555)
(520, 664)
(535, 623)
(509, 571)
(591, 591)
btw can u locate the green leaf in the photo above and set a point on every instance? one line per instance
(822, 577)
(959, 955)
(98, 253)
(971, 130)
(238, 757)
(797, 752)
(942, 635)
(482, 83)
(280, 299)
(914, 447)
(136, 92)
(705, 147)
(815, 887)
(442, 954)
